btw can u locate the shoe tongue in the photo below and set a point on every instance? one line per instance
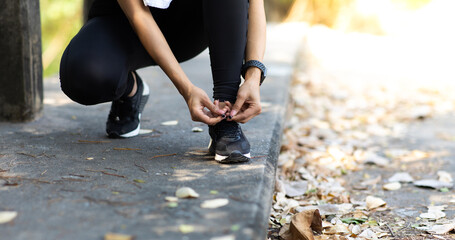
(228, 127)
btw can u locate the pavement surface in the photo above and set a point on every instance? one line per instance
(66, 180)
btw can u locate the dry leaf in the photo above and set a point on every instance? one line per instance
(431, 183)
(402, 177)
(374, 202)
(215, 203)
(7, 216)
(127, 149)
(303, 224)
(171, 199)
(444, 176)
(329, 209)
(186, 228)
(356, 230)
(392, 186)
(442, 229)
(197, 129)
(434, 212)
(337, 229)
(145, 131)
(372, 158)
(368, 234)
(170, 123)
(227, 237)
(186, 192)
(294, 189)
(117, 236)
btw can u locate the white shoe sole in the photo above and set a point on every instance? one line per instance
(234, 158)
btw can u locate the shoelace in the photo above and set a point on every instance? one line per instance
(230, 130)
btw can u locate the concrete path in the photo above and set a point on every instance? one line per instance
(66, 180)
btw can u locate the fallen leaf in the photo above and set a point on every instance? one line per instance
(172, 204)
(186, 192)
(171, 199)
(117, 236)
(294, 189)
(186, 228)
(145, 131)
(303, 224)
(442, 229)
(337, 229)
(170, 123)
(431, 183)
(402, 177)
(213, 192)
(368, 234)
(164, 155)
(227, 237)
(139, 181)
(329, 209)
(356, 230)
(235, 227)
(444, 176)
(197, 129)
(391, 186)
(434, 212)
(127, 149)
(89, 158)
(374, 202)
(372, 158)
(7, 216)
(215, 203)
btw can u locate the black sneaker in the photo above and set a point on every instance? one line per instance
(125, 115)
(228, 143)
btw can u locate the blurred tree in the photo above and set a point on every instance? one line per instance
(348, 15)
(60, 21)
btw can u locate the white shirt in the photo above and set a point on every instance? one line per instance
(163, 4)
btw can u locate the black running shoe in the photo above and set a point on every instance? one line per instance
(125, 115)
(228, 143)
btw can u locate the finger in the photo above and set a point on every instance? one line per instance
(210, 119)
(237, 106)
(212, 107)
(206, 117)
(228, 104)
(246, 115)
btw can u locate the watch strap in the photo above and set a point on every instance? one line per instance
(257, 64)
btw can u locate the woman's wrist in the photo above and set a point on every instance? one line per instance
(253, 74)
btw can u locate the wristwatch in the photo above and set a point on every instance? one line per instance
(255, 63)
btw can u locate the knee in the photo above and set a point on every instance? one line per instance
(86, 81)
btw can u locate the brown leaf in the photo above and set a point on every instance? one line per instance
(117, 236)
(303, 224)
(127, 149)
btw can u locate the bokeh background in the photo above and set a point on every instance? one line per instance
(62, 19)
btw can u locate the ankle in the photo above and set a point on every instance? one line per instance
(134, 90)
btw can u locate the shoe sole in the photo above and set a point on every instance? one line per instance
(234, 157)
(135, 132)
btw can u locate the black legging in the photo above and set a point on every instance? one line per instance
(96, 64)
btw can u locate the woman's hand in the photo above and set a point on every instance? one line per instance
(248, 103)
(201, 107)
